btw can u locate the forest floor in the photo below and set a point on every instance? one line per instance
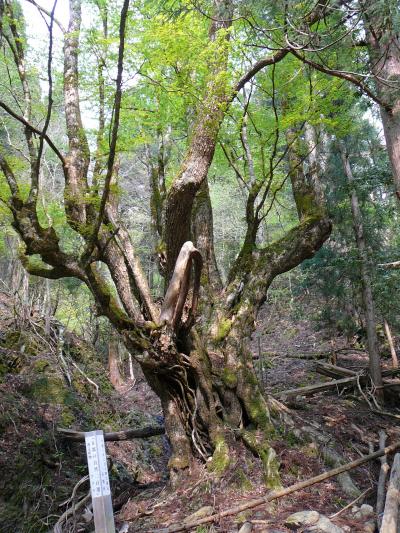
(346, 420)
(47, 468)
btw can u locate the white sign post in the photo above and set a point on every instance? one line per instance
(99, 482)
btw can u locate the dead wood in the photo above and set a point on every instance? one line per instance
(390, 515)
(318, 387)
(343, 382)
(309, 355)
(333, 371)
(389, 337)
(280, 493)
(124, 434)
(380, 495)
(178, 288)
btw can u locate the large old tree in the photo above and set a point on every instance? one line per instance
(193, 347)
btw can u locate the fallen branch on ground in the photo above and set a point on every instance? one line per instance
(280, 493)
(308, 355)
(343, 382)
(124, 434)
(333, 371)
(318, 387)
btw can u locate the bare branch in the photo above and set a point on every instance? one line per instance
(259, 65)
(33, 129)
(35, 181)
(50, 14)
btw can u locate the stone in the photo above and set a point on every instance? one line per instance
(247, 527)
(326, 526)
(87, 516)
(314, 521)
(369, 527)
(200, 513)
(302, 518)
(271, 531)
(367, 510)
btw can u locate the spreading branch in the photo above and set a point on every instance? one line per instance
(352, 78)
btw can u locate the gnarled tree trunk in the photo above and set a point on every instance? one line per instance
(199, 364)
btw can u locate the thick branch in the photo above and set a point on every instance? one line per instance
(193, 172)
(138, 279)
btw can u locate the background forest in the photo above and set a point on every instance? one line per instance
(192, 194)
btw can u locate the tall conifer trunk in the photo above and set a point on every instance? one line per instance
(368, 300)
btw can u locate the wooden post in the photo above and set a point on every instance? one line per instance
(99, 482)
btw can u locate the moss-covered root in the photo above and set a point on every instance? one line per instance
(258, 444)
(254, 402)
(221, 457)
(181, 451)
